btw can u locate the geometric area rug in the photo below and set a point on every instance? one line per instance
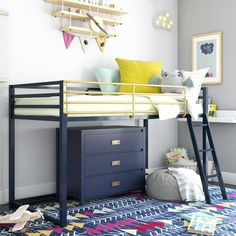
(131, 214)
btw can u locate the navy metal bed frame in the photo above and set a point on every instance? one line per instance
(63, 119)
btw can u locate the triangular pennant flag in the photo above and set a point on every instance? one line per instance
(84, 43)
(69, 227)
(46, 232)
(78, 215)
(98, 212)
(79, 225)
(130, 231)
(68, 38)
(101, 42)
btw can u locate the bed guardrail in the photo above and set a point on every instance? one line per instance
(64, 89)
(133, 93)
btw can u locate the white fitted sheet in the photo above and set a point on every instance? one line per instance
(95, 107)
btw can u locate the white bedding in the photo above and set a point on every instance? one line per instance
(165, 111)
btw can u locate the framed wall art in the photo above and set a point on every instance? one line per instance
(207, 52)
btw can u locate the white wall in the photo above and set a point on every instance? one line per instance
(37, 53)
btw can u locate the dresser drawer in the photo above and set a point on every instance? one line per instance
(113, 184)
(111, 163)
(114, 142)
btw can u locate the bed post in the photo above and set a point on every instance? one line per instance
(62, 161)
(11, 147)
(145, 123)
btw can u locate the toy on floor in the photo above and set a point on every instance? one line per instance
(172, 78)
(20, 217)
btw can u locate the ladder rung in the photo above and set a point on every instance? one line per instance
(206, 150)
(212, 176)
(200, 125)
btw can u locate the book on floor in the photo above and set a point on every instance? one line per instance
(202, 225)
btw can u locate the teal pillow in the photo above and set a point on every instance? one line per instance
(108, 75)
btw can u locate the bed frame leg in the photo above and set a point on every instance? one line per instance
(145, 124)
(11, 148)
(62, 163)
(63, 170)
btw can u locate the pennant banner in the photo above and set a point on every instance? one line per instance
(68, 38)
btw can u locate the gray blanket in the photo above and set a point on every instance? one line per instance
(190, 185)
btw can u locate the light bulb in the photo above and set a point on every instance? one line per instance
(163, 24)
(167, 15)
(160, 17)
(158, 22)
(164, 18)
(171, 22)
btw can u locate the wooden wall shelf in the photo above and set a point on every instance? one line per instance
(85, 31)
(97, 24)
(83, 17)
(3, 13)
(87, 6)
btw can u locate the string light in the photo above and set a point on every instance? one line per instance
(163, 20)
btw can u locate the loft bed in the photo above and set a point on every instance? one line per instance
(72, 101)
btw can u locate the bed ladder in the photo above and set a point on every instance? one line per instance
(203, 164)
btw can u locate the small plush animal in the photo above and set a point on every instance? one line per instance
(172, 78)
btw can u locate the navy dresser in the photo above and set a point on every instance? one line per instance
(105, 161)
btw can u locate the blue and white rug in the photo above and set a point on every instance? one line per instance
(133, 214)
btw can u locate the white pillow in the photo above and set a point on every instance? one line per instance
(197, 78)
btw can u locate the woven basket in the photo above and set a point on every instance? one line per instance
(191, 165)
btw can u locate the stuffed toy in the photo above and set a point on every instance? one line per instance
(172, 78)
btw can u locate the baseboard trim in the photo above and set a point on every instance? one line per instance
(29, 191)
(229, 178)
(49, 188)
(1, 197)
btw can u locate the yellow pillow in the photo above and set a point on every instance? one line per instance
(138, 72)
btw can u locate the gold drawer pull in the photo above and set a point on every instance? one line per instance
(115, 163)
(115, 142)
(115, 184)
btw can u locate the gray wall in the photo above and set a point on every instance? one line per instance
(204, 16)
(224, 140)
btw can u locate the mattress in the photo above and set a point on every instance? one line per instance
(120, 106)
